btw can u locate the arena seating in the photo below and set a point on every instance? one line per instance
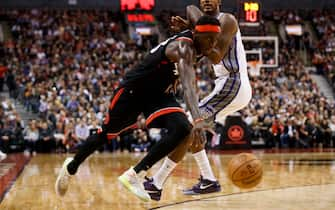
(66, 69)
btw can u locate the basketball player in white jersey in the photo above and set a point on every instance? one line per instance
(232, 92)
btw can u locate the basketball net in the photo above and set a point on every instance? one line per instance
(254, 68)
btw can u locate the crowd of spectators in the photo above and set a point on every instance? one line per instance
(65, 69)
(324, 57)
(287, 109)
(11, 127)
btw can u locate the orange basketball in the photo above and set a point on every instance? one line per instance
(245, 170)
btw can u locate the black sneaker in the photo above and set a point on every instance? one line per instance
(151, 189)
(203, 187)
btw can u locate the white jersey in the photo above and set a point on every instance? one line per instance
(232, 89)
(235, 59)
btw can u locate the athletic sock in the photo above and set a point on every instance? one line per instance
(163, 172)
(204, 166)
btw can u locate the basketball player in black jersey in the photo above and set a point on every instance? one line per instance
(148, 89)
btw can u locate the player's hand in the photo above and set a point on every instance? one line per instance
(179, 24)
(198, 134)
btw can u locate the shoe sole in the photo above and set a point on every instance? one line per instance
(190, 193)
(194, 193)
(129, 187)
(61, 174)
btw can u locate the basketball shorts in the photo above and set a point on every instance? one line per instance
(231, 93)
(126, 105)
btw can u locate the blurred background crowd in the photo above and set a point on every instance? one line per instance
(63, 69)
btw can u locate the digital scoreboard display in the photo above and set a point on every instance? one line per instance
(249, 13)
(131, 5)
(140, 18)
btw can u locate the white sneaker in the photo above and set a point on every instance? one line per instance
(2, 155)
(63, 178)
(130, 180)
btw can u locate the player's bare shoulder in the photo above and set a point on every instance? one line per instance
(228, 23)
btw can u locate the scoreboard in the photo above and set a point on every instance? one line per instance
(139, 16)
(250, 12)
(130, 5)
(138, 11)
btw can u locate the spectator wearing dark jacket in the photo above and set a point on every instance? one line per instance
(6, 136)
(289, 135)
(46, 141)
(11, 84)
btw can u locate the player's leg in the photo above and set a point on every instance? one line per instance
(115, 122)
(200, 155)
(71, 164)
(178, 128)
(207, 181)
(154, 185)
(219, 100)
(156, 182)
(170, 162)
(229, 95)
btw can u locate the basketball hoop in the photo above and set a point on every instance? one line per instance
(256, 49)
(254, 68)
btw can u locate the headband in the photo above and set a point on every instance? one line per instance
(208, 28)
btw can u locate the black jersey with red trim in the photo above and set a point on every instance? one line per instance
(156, 74)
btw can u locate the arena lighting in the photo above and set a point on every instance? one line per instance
(144, 31)
(131, 5)
(295, 30)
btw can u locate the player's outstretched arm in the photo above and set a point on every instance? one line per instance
(182, 53)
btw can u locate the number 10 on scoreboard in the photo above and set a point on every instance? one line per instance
(250, 12)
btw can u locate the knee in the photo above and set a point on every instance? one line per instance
(176, 127)
(182, 129)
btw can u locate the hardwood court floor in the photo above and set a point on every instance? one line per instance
(292, 181)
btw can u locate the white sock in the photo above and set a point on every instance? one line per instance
(204, 166)
(131, 171)
(163, 172)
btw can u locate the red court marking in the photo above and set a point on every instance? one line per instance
(8, 179)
